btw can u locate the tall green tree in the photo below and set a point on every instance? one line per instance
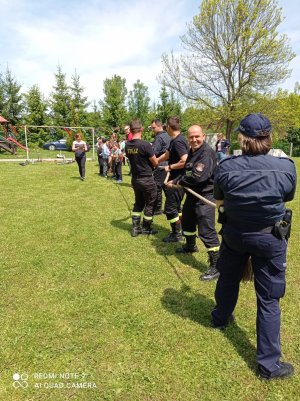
(168, 105)
(36, 114)
(94, 116)
(13, 105)
(60, 100)
(113, 107)
(78, 103)
(1, 94)
(139, 102)
(232, 48)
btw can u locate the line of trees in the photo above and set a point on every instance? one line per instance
(233, 57)
(68, 106)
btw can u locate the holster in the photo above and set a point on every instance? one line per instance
(221, 215)
(282, 229)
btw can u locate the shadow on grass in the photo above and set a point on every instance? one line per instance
(162, 248)
(196, 307)
(122, 224)
(124, 184)
(167, 249)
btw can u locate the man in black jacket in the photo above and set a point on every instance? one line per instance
(142, 161)
(199, 173)
(176, 156)
(160, 145)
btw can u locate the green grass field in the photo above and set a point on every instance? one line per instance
(126, 315)
(39, 153)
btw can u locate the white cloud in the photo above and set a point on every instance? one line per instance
(98, 39)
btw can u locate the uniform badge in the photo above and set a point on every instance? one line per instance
(199, 167)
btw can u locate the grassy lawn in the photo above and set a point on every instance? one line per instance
(125, 315)
(39, 153)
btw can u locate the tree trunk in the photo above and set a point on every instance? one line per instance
(229, 125)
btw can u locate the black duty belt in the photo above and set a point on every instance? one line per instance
(250, 228)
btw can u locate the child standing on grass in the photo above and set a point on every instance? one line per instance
(117, 157)
(105, 157)
(79, 147)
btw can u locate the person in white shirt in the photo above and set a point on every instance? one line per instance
(79, 147)
(105, 157)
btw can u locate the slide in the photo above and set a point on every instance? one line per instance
(17, 143)
(7, 146)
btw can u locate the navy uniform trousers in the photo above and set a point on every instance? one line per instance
(268, 255)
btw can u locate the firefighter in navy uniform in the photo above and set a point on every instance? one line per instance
(142, 161)
(160, 145)
(199, 173)
(176, 156)
(251, 190)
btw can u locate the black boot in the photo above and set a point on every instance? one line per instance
(175, 235)
(284, 370)
(146, 227)
(136, 226)
(212, 272)
(190, 246)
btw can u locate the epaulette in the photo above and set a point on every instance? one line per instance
(286, 158)
(229, 158)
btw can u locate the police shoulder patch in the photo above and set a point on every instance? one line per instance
(199, 167)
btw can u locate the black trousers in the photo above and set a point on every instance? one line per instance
(113, 167)
(100, 162)
(196, 214)
(81, 165)
(145, 195)
(159, 178)
(174, 198)
(118, 170)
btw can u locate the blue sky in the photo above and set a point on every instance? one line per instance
(100, 38)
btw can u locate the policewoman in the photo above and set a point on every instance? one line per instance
(142, 161)
(251, 191)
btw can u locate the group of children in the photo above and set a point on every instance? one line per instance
(111, 156)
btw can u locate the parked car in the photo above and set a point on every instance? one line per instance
(61, 144)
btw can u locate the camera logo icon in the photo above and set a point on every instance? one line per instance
(20, 380)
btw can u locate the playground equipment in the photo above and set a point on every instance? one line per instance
(10, 143)
(7, 145)
(13, 140)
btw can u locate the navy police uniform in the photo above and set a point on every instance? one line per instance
(160, 145)
(254, 189)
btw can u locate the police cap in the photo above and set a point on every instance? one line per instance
(255, 124)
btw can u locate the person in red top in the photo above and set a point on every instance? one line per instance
(129, 134)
